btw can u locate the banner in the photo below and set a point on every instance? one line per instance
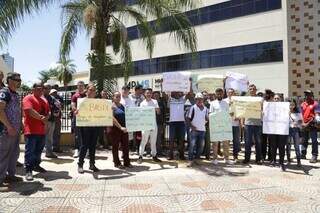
(246, 107)
(236, 81)
(94, 112)
(276, 118)
(140, 119)
(176, 82)
(209, 83)
(220, 125)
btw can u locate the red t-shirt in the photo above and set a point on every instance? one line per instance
(33, 126)
(308, 110)
(75, 97)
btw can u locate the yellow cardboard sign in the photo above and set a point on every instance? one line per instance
(246, 107)
(94, 112)
(209, 83)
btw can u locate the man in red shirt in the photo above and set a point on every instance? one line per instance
(36, 114)
(81, 93)
(309, 107)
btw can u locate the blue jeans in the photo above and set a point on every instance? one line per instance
(236, 140)
(196, 140)
(310, 133)
(294, 135)
(253, 131)
(34, 145)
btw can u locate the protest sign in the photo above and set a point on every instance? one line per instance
(176, 82)
(140, 118)
(276, 118)
(220, 125)
(209, 83)
(236, 81)
(246, 107)
(94, 112)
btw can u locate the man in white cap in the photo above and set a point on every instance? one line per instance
(197, 118)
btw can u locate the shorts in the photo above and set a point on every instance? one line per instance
(177, 130)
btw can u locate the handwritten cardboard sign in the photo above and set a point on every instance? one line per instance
(209, 83)
(140, 119)
(276, 118)
(176, 82)
(246, 107)
(220, 125)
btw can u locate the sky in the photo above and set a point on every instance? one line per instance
(35, 45)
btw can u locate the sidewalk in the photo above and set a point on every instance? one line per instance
(165, 187)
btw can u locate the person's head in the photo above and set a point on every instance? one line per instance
(56, 87)
(260, 94)
(53, 92)
(116, 97)
(104, 94)
(293, 106)
(277, 98)
(37, 89)
(148, 93)
(308, 94)
(268, 95)
(219, 94)
(252, 90)
(91, 90)
(205, 95)
(13, 80)
(230, 92)
(199, 99)
(138, 90)
(156, 95)
(125, 91)
(80, 87)
(1, 76)
(46, 89)
(212, 96)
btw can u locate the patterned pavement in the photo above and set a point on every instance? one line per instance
(165, 187)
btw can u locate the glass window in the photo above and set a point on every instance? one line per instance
(261, 5)
(274, 4)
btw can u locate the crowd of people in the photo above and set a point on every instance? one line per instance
(188, 117)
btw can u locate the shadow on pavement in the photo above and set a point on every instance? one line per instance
(59, 160)
(223, 169)
(52, 175)
(29, 188)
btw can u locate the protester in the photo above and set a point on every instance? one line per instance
(149, 135)
(77, 135)
(10, 126)
(160, 121)
(309, 129)
(50, 125)
(126, 101)
(265, 139)
(278, 142)
(294, 131)
(219, 105)
(36, 114)
(253, 130)
(118, 133)
(89, 136)
(197, 118)
(235, 127)
(1, 80)
(57, 119)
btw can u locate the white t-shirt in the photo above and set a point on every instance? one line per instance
(126, 102)
(176, 109)
(136, 100)
(151, 103)
(235, 122)
(295, 120)
(217, 105)
(199, 117)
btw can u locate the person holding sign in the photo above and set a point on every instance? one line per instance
(89, 136)
(118, 133)
(149, 134)
(215, 106)
(253, 129)
(197, 118)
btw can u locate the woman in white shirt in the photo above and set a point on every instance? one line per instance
(294, 131)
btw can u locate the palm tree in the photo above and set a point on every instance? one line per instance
(105, 20)
(65, 70)
(45, 75)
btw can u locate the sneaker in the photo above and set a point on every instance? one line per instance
(207, 157)
(51, 155)
(4, 187)
(259, 162)
(313, 159)
(215, 162)
(155, 159)
(272, 163)
(245, 161)
(76, 153)
(39, 169)
(227, 161)
(139, 161)
(29, 176)
(299, 163)
(94, 168)
(80, 170)
(119, 166)
(190, 164)
(282, 168)
(13, 179)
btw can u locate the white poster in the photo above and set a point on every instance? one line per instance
(236, 81)
(209, 83)
(176, 82)
(276, 118)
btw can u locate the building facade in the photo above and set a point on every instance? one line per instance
(9, 61)
(3, 67)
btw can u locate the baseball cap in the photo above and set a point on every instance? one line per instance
(199, 96)
(53, 91)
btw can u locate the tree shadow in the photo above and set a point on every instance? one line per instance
(59, 160)
(304, 168)
(52, 176)
(29, 188)
(223, 169)
(110, 174)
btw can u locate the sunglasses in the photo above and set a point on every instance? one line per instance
(16, 79)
